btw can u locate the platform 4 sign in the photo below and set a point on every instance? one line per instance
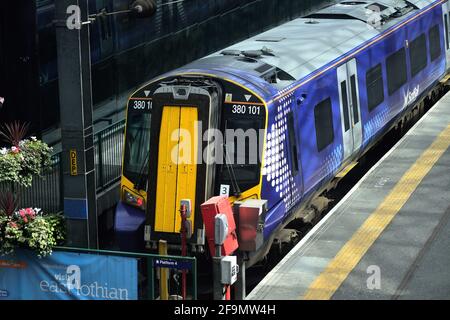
(172, 264)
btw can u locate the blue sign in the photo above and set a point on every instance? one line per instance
(172, 264)
(67, 276)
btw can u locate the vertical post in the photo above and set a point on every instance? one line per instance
(219, 293)
(61, 183)
(150, 281)
(75, 95)
(163, 273)
(100, 161)
(240, 290)
(194, 281)
(217, 286)
(183, 248)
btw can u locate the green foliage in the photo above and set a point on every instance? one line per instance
(25, 228)
(29, 229)
(20, 164)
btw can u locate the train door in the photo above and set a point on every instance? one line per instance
(350, 108)
(177, 169)
(294, 152)
(446, 16)
(182, 115)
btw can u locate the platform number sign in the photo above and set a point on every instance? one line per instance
(225, 190)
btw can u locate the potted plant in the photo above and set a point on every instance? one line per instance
(24, 158)
(25, 227)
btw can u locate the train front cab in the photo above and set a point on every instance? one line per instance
(187, 156)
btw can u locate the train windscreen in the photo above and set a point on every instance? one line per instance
(137, 147)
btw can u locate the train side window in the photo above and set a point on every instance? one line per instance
(374, 86)
(435, 42)
(396, 70)
(418, 54)
(345, 105)
(323, 116)
(354, 99)
(446, 31)
(292, 143)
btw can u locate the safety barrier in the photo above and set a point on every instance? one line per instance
(108, 155)
(45, 192)
(150, 267)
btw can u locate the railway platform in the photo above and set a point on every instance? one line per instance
(389, 237)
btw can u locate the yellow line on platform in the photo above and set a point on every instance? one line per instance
(326, 284)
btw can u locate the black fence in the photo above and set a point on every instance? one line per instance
(108, 155)
(46, 192)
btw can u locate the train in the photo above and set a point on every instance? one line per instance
(322, 90)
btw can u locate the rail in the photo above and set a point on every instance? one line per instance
(108, 155)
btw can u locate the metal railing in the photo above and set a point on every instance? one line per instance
(148, 284)
(46, 192)
(108, 155)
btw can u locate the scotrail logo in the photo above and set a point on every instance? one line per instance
(70, 283)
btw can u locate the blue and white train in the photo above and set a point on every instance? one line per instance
(323, 89)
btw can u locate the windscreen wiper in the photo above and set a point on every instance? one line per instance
(231, 173)
(138, 185)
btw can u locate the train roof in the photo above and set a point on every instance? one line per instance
(297, 48)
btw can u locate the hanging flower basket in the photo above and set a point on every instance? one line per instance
(18, 164)
(31, 229)
(25, 228)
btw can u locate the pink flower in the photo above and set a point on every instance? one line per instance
(15, 149)
(12, 225)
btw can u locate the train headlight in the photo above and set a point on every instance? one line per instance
(134, 200)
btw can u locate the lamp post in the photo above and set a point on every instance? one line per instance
(76, 115)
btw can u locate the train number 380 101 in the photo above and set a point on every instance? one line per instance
(243, 109)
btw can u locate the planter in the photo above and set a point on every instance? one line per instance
(30, 229)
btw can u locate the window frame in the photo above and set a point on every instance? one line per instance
(434, 57)
(372, 106)
(393, 73)
(319, 125)
(422, 53)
